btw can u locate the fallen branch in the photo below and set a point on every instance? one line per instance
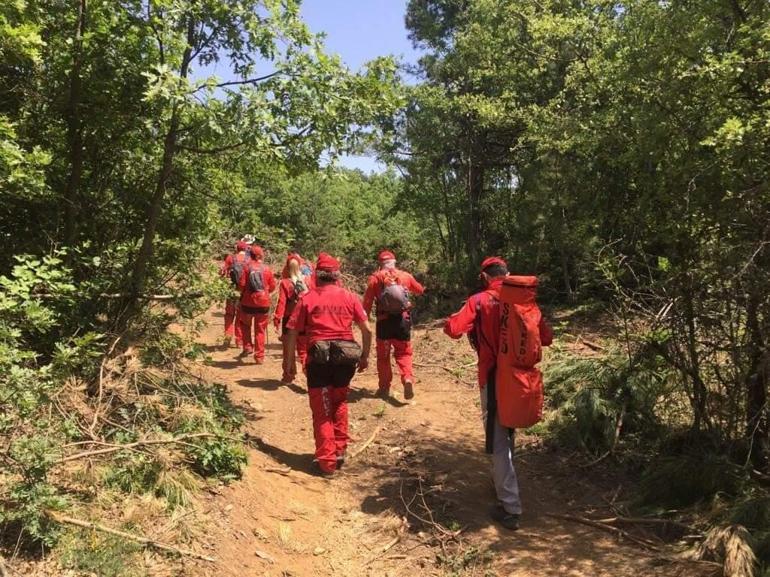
(278, 470)
(368, 442)
(650, 521)
(130, 446)
(605, 527)
(63, 519)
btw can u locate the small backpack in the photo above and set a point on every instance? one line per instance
(256, 280)
(300, 288)
(394, 298)
(236, 270)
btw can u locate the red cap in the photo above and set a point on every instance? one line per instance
(386, 255)
(491, 261)
(240, 245)
(327, 263)
(256, 251)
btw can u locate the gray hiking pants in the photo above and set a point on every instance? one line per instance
(503, 473)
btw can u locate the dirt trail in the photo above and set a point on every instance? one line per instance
(280, 519)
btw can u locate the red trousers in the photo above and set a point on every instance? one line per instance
(330, 424)
(257, 323)
(402, 351)
(233, 322)
(301, 354)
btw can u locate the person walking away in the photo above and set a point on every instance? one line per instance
(391, 289)
(232, 268)
(326, 315)
(291, 289)
(480, 319)
(256, 284)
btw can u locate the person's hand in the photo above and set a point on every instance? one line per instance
(290, 370)
(363, 363)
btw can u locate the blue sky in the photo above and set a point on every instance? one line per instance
(359, 30)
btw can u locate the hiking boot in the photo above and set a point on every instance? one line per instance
(341, 459)
(382, 393)
(321, 472)
(408, 390)
(259, 360)
(226, 342)
(508, 520)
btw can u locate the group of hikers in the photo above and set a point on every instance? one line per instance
(316, 314)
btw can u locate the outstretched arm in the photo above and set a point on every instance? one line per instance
(289, 359)
(462, 321)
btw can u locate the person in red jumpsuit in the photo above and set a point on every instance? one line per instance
(256, 284)
(326, 315)
(480, 319)
(292, 287)
(391, 289)
(232, 317)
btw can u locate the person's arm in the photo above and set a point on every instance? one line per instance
(271, 284)
(366, 344)
(546, 333)
(462, 321)
(243, 281)
(280, 308)
(414, 286)
(370, 294)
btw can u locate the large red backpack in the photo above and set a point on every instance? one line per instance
(519, 383)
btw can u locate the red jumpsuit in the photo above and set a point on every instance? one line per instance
(255, 308)
(393, 331)
(232, 318)
(327, 313)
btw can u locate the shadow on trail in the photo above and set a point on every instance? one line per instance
(425, 477)
(357, 394)
(234, 364)
(299, 462)
(270, 385)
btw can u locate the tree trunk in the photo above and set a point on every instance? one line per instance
(74, 133)
(756, 387)
(155, 208)
(475, 189)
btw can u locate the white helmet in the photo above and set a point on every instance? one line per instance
(248, 239)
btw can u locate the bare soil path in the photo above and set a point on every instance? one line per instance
(281, 520)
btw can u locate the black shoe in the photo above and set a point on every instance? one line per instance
(508, 520)
(340, 460)
(382, 393)
(408, 390)
(319, 471)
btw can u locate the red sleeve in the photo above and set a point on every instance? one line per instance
(359, 315)
(462, 321)
(270, 280)
(244, 277)
(371, 293)
(280, 308)
(298, 318)
(414, 287)
(546, 333)
(224, 269)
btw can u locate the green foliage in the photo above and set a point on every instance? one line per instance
(669, 482)
(595, 399)
(102, 555)
(218, 457)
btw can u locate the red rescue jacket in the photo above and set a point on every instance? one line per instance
(480, 316)
(257, 299)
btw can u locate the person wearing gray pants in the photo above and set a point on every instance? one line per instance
(479, 318)
(503, 471)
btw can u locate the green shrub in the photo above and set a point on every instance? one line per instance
(102, 555)
(218, 457)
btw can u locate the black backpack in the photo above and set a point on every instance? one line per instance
(236, 271)
(256, 281)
